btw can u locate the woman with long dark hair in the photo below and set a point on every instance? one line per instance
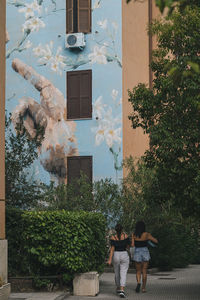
(120, 242)
(141, 256)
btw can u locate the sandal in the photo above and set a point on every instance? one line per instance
(138, 288)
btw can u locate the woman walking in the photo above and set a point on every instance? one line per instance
(141, 256)
(120, 242)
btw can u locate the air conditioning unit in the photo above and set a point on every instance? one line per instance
(75, 40)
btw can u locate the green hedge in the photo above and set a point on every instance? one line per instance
(178, 246)
(55, 242)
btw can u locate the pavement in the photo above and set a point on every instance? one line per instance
(179, 284)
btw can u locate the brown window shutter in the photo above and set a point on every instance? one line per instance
(86, 166)
(86, 94)
(76, 164)
(69, 16)
(79, 94)
(73, 168)
(84, 16)
(73, 95)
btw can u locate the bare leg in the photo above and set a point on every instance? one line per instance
(138, 266)
(144, 275)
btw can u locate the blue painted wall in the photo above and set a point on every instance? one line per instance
(36, 45)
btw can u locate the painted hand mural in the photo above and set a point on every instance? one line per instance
(37, 46)
(59, 139)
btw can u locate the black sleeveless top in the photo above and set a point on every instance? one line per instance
(140, 244)
(120, 245)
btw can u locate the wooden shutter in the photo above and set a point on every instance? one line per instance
(79, 94)
(86, 94)
(69, 16)
(84, 16)
(73, 95)
(86, 166)
(73, 168)
(76, 164)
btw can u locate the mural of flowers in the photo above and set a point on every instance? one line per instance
(107, 128)
(46, 57)
(98, 55)
(29, 9)
(97, 4)
(34, 20)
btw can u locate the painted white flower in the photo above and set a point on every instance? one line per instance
(98, 55)
(98, 108)
(114, 94)
(97, 4)
(38, 51)
(33, 24)
(106, 129)
(55, 67)
(112, 135)
(115, 25)
(28, 44)
(28, 10)
(103, 24)
(35, 6)
(59, 58)
(46, 54)
(99, 133)
(108, 119)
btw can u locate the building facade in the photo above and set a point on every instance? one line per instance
(69, 64)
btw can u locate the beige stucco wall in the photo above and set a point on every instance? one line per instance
(135, 62)
(2, 117)
(136, 52)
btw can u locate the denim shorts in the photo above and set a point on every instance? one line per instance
(141, 254)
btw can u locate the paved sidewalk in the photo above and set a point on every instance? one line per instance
(181, 284)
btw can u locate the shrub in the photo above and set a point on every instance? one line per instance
(56, 242)
(177, 246)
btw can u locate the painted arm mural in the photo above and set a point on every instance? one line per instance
(59, 139)
(38, 37)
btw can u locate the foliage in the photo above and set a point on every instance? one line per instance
(103, 196)
(74, 196)
(176, 235)
(171, 4)
(53, 243)
(175, 244)
(170, 114)
(20, 152)
(14, 231)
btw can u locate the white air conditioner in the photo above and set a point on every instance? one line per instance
(75, 40)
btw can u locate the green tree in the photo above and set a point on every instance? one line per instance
(169, 112)
(103, 196)
(171, 4)
(20, 153)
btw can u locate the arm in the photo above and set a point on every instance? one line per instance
(132, 240)
(112, 249)
(151, 238)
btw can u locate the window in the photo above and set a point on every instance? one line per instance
(79, 94)
(78, 164)
(78, 16)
